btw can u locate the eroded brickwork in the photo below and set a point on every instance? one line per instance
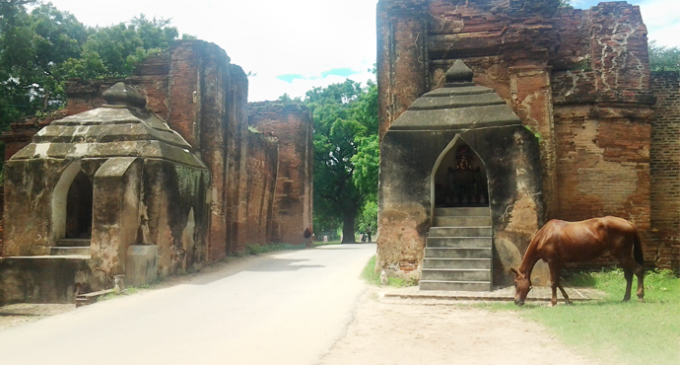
(259, 185)
(291, 124)
(665, 168)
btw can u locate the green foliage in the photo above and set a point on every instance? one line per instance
(368, 219)
(345, 152)
(628, 333)
(372, 277)
(122, 46)
(41, 49)
(663, 58)
(565, 4)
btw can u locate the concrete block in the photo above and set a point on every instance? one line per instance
(142, 264)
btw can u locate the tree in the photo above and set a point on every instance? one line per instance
(41, 49)
(663, 58)
(565, 4)
(345, 118)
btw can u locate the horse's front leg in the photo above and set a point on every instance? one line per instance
(555, 272)
(554, 282)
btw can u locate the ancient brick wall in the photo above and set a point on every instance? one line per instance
(259, 187)
(665, 169)
(291, 124)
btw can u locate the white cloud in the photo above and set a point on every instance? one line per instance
(662, 18)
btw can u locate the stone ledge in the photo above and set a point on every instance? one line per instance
(542, 293)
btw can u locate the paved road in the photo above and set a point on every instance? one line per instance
(285, 308)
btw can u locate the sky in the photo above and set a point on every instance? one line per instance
(292, 46)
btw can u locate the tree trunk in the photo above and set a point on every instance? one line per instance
(348, 228)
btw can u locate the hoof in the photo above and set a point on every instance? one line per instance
(641, 300)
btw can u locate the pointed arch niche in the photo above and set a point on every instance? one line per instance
(72, 204)
(459, 177)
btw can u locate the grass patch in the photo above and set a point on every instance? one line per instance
(373, 278)
(629, 333)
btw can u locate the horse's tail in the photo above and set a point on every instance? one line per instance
(637, 249)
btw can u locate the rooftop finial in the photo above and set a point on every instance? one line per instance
(459, 73)
(121, 94)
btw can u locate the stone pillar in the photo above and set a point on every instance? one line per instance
(532, 101)
(402, 57)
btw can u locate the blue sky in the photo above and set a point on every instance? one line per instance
(292, 46)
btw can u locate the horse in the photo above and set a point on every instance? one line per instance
(559, 242)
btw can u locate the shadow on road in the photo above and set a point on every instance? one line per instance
(281, 265)
(229, 268)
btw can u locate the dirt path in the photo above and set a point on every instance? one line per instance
(386, 331)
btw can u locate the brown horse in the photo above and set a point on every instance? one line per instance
(559, 242)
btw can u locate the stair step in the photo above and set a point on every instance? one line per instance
(459, 242)
(455, 285)
(69, 251)
(457, 274)
(480, 231)
(467, 221)
(477, 211)
(446, 263)
(458, 253)
(73, 242)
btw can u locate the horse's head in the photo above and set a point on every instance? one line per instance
(522, 286)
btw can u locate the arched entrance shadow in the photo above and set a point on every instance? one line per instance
(79, 208)
(459, 177)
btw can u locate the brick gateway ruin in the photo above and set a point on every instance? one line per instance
(606, 129)
(181, 169)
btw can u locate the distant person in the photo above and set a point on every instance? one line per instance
(308, 236)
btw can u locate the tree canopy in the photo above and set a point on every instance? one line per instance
(345, 155)
(42, 48)
(663, 58)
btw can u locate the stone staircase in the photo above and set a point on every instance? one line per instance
(71, 247)
(458, 255)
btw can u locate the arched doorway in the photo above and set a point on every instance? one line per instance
(79, 208)
(460, 179)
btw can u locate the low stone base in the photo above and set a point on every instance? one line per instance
(542, 293)
(41, 279)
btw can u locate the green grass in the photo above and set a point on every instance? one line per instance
(373, 278)
(629, 333)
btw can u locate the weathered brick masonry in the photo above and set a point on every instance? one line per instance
(203, 97)
(665, 168)
(578, 79)
(291, 123)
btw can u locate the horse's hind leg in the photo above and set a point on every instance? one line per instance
(631, 267)
(564, 293)
(640, 273)
(628, 274)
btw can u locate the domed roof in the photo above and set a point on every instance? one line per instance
(460, 104)
(121, 127)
